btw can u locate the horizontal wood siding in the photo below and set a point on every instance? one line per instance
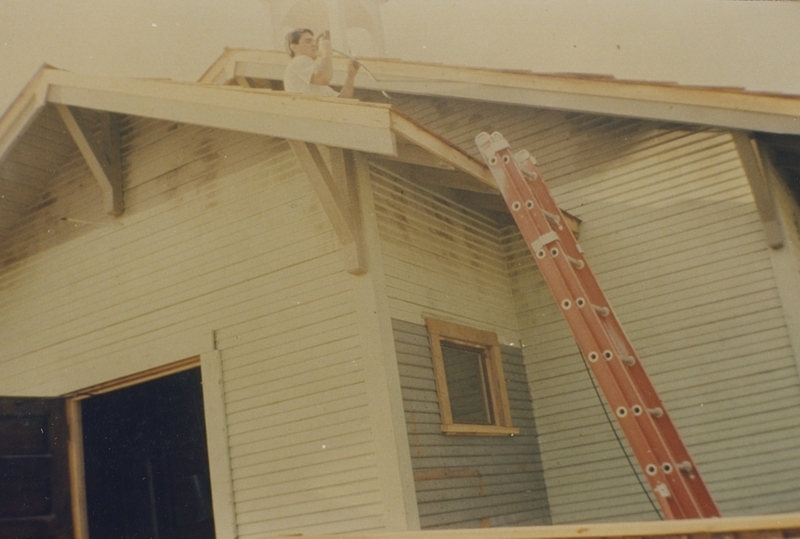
(671, 230)
(672, 233)
(223, 243)
(441, 258)
(467, 481)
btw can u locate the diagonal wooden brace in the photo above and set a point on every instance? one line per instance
(102, 154)
(754, 170)
(338, 195)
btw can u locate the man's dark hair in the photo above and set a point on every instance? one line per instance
(293, 38)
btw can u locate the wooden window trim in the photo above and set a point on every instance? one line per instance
(438, 331)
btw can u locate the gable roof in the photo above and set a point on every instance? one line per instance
(34, 141)
(721, 107)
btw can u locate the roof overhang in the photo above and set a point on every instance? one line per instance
(343, 123)
(719, 107)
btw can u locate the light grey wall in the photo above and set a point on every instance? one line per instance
(475, 480)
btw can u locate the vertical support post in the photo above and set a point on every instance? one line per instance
(219, 461)
(77, 482)
(381, 370)
(343, 169)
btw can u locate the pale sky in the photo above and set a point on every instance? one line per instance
(176, 39)
(752, 44)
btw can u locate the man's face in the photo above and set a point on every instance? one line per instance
(307, 46)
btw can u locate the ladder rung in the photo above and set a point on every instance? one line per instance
(552, 217)
(630, 361)
(527, 164)
(652, 435)
(577, 262)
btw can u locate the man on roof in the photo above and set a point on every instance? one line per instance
(310, 69)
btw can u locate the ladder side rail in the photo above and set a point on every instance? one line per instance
(569, 276)
(626, 352)
(593, 340)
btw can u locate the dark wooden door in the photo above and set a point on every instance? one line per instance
(34, 469)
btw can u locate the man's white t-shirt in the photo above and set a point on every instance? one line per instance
(297, 78)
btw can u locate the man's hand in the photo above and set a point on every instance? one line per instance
(324, 44)
(352, 69)
(324, 73)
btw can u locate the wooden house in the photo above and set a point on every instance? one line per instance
(292, 266)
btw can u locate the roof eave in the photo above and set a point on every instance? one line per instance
(342, 123)
(720, 107)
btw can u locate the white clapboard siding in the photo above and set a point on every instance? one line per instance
(223, 243)
(468, 481)
(441, 259)
(671, 230)
(688, 273)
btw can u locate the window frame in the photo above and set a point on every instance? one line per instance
(487, 342)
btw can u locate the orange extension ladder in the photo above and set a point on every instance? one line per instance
(648, 428)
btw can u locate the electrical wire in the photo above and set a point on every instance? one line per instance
(619, 441)
(360, 63)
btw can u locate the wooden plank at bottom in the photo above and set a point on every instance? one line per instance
(784, 525)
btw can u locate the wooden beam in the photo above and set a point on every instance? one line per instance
(22, 112)
(344, 123)
(343, 169)
(722, 107)
(754, 170)
(217, 444)
(416, 155)
(335, 193)
(77, 476)
(786, 525)
(222, 70)
(441, 148)
(101, 154)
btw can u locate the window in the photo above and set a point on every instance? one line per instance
(469, 377)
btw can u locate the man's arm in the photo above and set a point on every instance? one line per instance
(347, 89)
(323, 75)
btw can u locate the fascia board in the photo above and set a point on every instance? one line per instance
(22, 111)
(342, 123)
(717, 107)
(736, 116)
(334, 122)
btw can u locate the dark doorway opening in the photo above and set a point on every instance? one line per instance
(146, 462)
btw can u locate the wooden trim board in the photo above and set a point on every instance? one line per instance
(761, 527)
(721, 107)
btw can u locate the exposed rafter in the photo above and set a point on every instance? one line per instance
(101, 152)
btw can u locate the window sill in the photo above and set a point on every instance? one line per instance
(479, 430)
